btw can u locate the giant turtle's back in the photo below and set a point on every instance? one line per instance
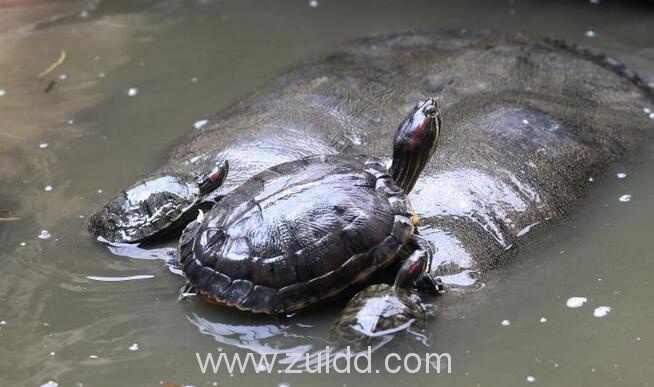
(297, 233)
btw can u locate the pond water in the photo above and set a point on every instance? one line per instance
(92, 94)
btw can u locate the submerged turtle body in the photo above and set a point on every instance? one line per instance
(153, 205)
(380, 310)
(297, 233)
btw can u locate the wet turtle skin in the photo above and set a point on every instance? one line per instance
(379, 310)
(297, 233)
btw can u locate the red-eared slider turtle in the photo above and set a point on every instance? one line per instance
(158, 203)
(305, 230)
(382, 310)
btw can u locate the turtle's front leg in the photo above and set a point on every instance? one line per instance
(426, 282)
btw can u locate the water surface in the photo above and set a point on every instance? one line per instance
(138, 74)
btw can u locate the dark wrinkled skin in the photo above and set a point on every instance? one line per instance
(526, 122)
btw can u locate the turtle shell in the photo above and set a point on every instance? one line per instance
(297, 233)
(376, 311)
(145, 208)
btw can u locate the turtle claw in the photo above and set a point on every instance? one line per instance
(428, 284)
(186, 291)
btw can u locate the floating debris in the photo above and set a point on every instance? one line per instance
(506, 323)
(576, 302)
(6, 216)
(45, 234)
(601, 311)
(57, 63)
(50, 86)
(200, 123)
(134, 347)
(133, 91)
(625, 198)
(590, 34)
(621, 175)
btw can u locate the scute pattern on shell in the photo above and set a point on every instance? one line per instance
(145, 208)
(297, 233)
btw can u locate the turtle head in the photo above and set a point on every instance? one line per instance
(211, 181)
(411, 270)
(415, 142)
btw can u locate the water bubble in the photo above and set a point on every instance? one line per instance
(601, 311)
(590, 34)
(84, 13)
(23, 244)
(638, 338)
(70, 122)
(506, 323)
(591, 179)
(134, 347)
(63, 77)
(576, 302)
(200, 123)
(45, 234)
(651, 115)
(102, 75)
(625, 198)
(313, 3)
(100, 191)
(48, 188)
(3, 323)
(50, 383)
(621, 175)
(2, 92)
(526, 122)
(530, 379)
(133, 91)
(43, 145)
(194, 79)
(647, 110)
(595, 2)
(94, 357)
(52, 353)
(543, 319)
(283, 385)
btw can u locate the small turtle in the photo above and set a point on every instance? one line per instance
(381, 310)
(160, 202)
(308, 229)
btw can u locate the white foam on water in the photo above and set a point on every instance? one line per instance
(506, 323)
(530, 379)
(601, 311)
(134, 347)
(133, 91)
(621, 175)
(200, 123)
(576, 302)
(625, 198)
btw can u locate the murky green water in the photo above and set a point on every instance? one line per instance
(64, 152)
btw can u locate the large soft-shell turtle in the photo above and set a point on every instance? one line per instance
(380, 310)
(148, 207)
(305, 230)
